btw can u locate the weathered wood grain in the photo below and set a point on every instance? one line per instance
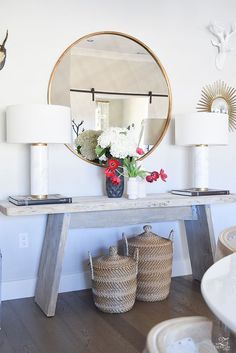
(51, 262)
(103, 203)
(117, 218)
(201, 241)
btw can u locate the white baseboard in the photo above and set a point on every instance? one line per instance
(26, 287)
(18, 289)
(77, 281)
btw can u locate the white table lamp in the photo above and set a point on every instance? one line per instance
(38, 125)
(201, 130)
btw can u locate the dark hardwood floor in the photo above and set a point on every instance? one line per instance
(79, 327)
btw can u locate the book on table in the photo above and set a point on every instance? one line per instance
(26, 200)
(199, 192)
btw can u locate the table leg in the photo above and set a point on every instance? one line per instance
(201, 241)
(51, 262)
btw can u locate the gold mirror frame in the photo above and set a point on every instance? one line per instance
(219, 90)
(137, 41)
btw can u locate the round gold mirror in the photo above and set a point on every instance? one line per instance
(110, 79)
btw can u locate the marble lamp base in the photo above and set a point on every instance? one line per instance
(200, 167)
(39, 170)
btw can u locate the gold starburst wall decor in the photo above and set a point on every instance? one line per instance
(220, 98)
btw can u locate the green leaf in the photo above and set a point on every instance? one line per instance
(100, 151)
(142, 174)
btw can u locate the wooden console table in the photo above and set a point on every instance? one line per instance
(95, 212)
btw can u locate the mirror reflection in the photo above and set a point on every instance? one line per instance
(219, 105)
(112, 80)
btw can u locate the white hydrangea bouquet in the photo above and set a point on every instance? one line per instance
(118, 148)
(116, 142)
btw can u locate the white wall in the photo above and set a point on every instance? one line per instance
(38, 33)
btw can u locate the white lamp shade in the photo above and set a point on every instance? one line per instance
(201, 129)
(38, 123)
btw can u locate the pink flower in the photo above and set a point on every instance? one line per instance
(163, 175)
(140, 151)
(149, 179)
(155, 175)
(115, 180)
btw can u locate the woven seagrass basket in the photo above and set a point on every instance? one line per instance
(114, 281)
(154, 264)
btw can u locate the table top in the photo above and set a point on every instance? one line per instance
(103, 203)
(218, 288)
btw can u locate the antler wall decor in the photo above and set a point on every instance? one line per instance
(3, 52)
(221, 42)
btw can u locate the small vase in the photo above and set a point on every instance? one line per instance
(132, 188)
(114, 191)
(142, 188)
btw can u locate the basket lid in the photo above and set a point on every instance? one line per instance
(148, 238)
(113, 260)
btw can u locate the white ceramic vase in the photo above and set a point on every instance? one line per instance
(142, 188)
(132, 188)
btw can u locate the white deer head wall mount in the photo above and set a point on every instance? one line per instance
(221, 42)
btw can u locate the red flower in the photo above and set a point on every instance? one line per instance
(140, 151)
(109, 173)
(149, 178)
(113, 164)
(163, 175)
(155, 175)
(115, 180)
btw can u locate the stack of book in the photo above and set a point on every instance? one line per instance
(26, 200)
(199, 192)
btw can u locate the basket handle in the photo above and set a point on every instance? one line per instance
(136, 258)
(136, 251)
(126, 246)
(171, 235)
(91, 265)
